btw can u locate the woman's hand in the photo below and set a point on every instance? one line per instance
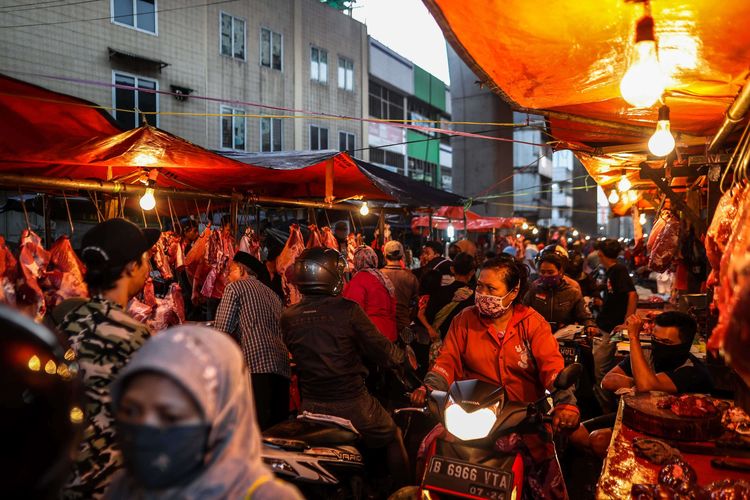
(418, 396)
(565, 419)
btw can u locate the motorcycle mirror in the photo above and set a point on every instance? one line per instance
(569, 376)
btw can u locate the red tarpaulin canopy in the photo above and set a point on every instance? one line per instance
(445, 216)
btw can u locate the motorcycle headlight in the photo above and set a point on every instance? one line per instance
(469, 426)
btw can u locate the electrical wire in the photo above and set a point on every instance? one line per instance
(70, 21)
(40, 6)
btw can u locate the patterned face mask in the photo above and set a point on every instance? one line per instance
(491, 305)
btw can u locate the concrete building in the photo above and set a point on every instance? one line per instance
(298, 54)
(401, 90)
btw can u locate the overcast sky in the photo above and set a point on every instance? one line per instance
(407, 27)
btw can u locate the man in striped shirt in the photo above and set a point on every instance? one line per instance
(250, 312)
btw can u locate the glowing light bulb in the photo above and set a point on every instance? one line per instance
(624, 184)
(148, 201)
(50, 367)
(35, 364)
(642, 219)
(662, 142)
(613, 197)
(575, 233)
(588, 238)
(535, 231)
(524, 226)
(76, 415)
(643, 83)
(632, 196)
(451, 231)
(364, 209)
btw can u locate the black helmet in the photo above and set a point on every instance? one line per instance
(556, 250)
(575, 264)
(319, 271)
(42, 412)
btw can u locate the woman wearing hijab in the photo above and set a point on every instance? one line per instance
(373, 291)
(186, 423)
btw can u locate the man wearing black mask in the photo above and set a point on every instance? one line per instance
(672, 368)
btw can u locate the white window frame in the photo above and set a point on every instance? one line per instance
(281, 129)
(225, 110)
(338, 68)
(137, 78)
(328, 138)
(244, 35)
(135, 18)
(324, 80)
(354, 140)
(270, 54)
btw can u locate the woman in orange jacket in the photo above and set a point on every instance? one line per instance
(503, 342)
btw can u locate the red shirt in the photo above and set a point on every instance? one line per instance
(372, 296)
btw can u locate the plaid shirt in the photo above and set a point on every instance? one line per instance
(250, 312)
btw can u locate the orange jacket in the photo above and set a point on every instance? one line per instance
(525, 359)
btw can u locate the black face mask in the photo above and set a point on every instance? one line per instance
(669, 357)
(162, 458)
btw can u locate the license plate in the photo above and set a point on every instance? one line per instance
(466, 479)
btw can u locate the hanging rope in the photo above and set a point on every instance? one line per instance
(25, 213)
(208, 209)
(354, 226)
(67, 209)
(173, 216)
(158, 217)
(327, 219)
(197, 210)
(95, 201)
(143, 213)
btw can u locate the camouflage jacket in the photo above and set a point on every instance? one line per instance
(103, 337)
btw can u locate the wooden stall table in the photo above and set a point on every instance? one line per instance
(622, 468)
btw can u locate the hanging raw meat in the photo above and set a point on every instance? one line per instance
(8, 273)
(656, 230)
(720, 230)
(160, 257)
(64, 276)
(315, 239)
(33, 260)
(737, 338)
(196, 264)
(250, 243)
(666, 245)
(219, 253)
(139, 311)
(329, 240)
(175, 251)
(285, 263)
(158, 313)
(351, 247)
(149, 295)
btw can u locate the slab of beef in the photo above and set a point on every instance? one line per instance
(169, 311)
(250, 243)
(285, 263)
(139, 311)
(315, 239)
(665, 246)
(64, 276)
(196, 264)
(219, 253)
(329, 240)
(657, 229)
(160, 257)
(8, 274)
(33, 260)
(351, 247)
(175, 251)
(689, 406)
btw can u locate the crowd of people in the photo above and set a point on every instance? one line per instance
(178, 413)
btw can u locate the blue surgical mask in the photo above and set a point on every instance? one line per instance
(159, 458)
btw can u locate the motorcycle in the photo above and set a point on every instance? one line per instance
(477, 414)
(321, 455)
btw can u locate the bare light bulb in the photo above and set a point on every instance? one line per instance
(575, 233)
(613, 197)
(662, 142)
(451, 231)
(624, 184)
(364, 209)
(535, 231)
(148, 201)
(642, 219)
(524, 226)
(643, 83)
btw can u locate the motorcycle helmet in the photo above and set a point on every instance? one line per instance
(319, 271)
(575, 264)
(553, 249)
(42, 401)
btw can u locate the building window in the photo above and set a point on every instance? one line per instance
(390, 160)
(138, 99)
(271, 49)
(318, 65)
(385, 103)
(270, 134)
(318, 138)
(424, 171)
(346, 73)
(346, 142)
(138, 14)
(232, 128)
(232, 36)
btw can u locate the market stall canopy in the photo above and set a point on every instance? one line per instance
(455, 216)
(302, 173)
(570, 57)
